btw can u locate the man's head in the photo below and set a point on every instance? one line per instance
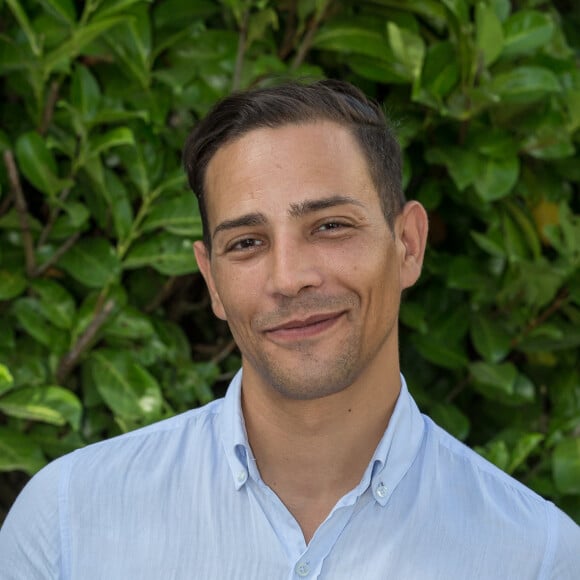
(309, 243)
(297, 104)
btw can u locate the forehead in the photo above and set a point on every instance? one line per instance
(272, 168)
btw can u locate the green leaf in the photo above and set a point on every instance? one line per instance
(451, 419)
(462, 163)
(74, 219)
(525, 84)
(131, 324)
(489, 33)
(495, 178)
(259, 23)
(549, 142)
(352, 39)
(12, 284)
(19, 453)
(24, 23)
(129, 389)
(566, 466)
(449, 356)
(81, 37)
(6, 379)
(526, 31)
(407, 47)
(491, 341)
(85, 92)
(179, 215)
(524, 446)
(37, 163)
(412, 314)
(56, 303)
(501, 382)
(168, 254)
(63, 8)
(28, 312)
(495, 377)
(173, 13)
(93, 262)
(109, 8)
(113, 138)
(440, 70)
(496, 452)
(119, 203)
(50, 404)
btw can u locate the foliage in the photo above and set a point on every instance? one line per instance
(105, 324)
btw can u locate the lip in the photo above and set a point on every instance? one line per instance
(311, 326)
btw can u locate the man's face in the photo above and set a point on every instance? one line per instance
(303, 265)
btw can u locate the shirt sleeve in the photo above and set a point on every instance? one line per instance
(30, 538)
(567, 549)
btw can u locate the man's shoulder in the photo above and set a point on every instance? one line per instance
(142, 448)
(464, 464)
(482, 490)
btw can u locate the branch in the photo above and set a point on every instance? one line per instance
(70, 360)
(22, 211)
(63, 249)
(289, 33)
(309, 37)
(224, 352)
(6, 203)
(54, 213)
(162, 295)
(48, 112)
(241, 51)
(554, 307)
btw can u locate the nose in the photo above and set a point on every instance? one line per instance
(293, 266)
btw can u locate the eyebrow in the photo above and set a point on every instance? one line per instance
(247, 220)
(312, 205)
(296, 210)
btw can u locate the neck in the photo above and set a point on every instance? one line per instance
(312, 452)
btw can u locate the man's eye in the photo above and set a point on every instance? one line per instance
(330, 226)
(245, 244)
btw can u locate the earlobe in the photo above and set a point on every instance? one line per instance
(203, 261)
(413, 236)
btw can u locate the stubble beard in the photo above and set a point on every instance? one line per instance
(309, 376)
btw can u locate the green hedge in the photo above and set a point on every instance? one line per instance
(105, 323)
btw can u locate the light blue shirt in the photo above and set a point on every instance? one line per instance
(183, 499)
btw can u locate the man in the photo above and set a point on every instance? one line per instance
(317, 464)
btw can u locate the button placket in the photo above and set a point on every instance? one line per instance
(302, 569)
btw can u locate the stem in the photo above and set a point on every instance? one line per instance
(126, 244)
(309, 37)
(6, 203)
(22, 211)
(63, 249)
(559, 301)
(289, 33)
(71, 359)
(48, 112)
(54, 213)
(162, 295)
(224, 352)
(242, 38)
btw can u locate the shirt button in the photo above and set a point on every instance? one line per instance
(242, 476)
(302, 569)
(381, 490)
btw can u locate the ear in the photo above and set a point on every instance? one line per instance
(411, 228)
(204, 262)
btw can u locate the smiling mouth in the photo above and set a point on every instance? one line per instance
(307, 328)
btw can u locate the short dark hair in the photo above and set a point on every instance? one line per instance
(296, 103)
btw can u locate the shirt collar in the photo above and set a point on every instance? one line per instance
(391, 460)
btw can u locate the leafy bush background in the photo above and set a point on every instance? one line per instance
(105, 323)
